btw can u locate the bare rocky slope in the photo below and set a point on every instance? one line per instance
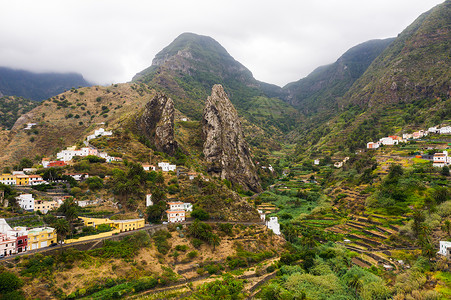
(225, 148)
(157, 123)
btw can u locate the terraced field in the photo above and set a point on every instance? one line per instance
(372, 238)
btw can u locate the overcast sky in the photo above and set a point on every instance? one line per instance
(109, 41)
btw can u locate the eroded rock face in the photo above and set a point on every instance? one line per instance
(225, 148)
(157, 123)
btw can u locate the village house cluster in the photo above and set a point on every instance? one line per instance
(21, 179)
(28, 203)
(65, 156)
(388, 141)
(21, 239)
(394, 140)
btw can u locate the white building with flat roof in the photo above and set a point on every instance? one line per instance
(274, 225)
(166, 167)
(26, 202)
(149, 201)
(445, 249)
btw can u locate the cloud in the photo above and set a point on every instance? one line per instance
(110, 41)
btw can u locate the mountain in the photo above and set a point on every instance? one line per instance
(321, 88)
(37, 86)
(415, 66)
(406, 87)
(188, 68)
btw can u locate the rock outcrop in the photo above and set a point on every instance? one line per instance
(225, 148)
(157, 123)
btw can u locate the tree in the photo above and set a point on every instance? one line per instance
(441, 194)
(228, 288)
(62, 228)
(69, 208)
(445, 171)
(394, 172)
(155, 212)
(200, 214)
(214, 240)
(94, 182)
(447, 227)
(25, 163)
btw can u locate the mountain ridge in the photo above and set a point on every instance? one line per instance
(37, 86)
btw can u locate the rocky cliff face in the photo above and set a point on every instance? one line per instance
(157, 123)
(225, 149)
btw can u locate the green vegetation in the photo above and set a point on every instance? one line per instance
(11, 108)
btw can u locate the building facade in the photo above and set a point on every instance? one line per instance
(41, 237)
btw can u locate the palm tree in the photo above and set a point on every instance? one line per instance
(447, 226)
(62, 229)
(214, 240)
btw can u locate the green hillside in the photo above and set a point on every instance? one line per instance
(320, 90)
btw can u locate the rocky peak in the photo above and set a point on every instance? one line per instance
(225, 148)
(157, 123)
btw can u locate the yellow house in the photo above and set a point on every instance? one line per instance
(44, 206)
(22, 180)
(8, 179)
(41, 237)
(121, 225)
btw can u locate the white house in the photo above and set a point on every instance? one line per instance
(433, 130)
(45, 162)
(98, 133)
(78, 176)
(262, 214)
(166, 167)
(176, 205)
(176, 216)
(70, 152)
(148, 167)
(441, 159)
(29, 126)
(372, 145)
(274, 225)
(4, 227)
(26, 201)
(445, 248)
(445, 130)
(188, 206)
(316, 162)
(338, 164)
(149, 201)
(36, 179)
(389, 141)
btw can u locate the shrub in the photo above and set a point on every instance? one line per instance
(196, 243)
(192, 254)
(182, 248)
(200, 214)
(160, 237)
(9, 282)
